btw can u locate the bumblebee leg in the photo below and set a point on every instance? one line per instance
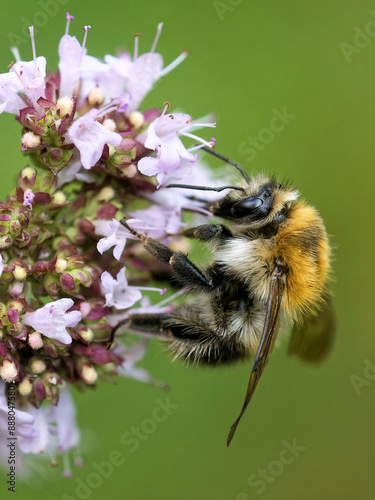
(207, 232)
(187, 336)
(184, 271)
(146, 325)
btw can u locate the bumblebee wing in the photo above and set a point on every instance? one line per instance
(276, 290)
(313, 339)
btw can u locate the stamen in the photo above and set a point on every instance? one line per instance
(158, 32)
(136, 45)
(31, 29)
(200, 146)
(196, 138)
(167, 105)
(86, 29)
(68, 19)
(78, 461)
(108, 108)
(67, 470)
(172, 297)
(174, 63)
(16, 54)
(161, 291)
(54, 462)
(200, 125)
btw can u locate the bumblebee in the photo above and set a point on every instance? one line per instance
(270, 265)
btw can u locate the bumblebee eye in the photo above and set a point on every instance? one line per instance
(245, 207)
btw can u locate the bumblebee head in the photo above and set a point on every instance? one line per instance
(261, 201)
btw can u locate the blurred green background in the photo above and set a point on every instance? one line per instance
(247, 59)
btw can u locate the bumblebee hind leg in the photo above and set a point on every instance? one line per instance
(188, 336)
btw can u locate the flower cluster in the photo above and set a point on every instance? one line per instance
(66, 272)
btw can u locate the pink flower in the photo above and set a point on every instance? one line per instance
(49, 428)
(70, 53)
(73, 170)
(146, 70)
(25, 421)
(28, 198)
(131, 356)
(89, 137)
(161, 220)
(117, 291)
(52, 320)
(10, 100)
(173, 159)
(95, 73)
(115, 236)
(1, 264)
(65, 432)
(26, 77)
(119, 294)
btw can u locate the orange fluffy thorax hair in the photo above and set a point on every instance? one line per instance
(302, 243)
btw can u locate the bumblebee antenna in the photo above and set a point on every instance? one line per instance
(227, 160)
(204, 188)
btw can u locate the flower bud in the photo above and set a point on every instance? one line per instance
(28, 173)
(5, 242)
(40, 269)
(8, 371)
(61, 265)
(89, 374)
(31, 140)
(109, 124)
(16, 287)
(52, 285)
(85, 309)
(67, 282)
(86, 333)
(130, 171)
(95, 96)
(13, 316)
(64, 105)
(37, 365)
(59, 198)
(40, 389)
(106, 194)
(35, 340)
(82, 276)
(136, 118)
(16, 304)
(20, 273)
(25, 387)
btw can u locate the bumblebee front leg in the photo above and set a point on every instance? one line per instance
(184, 271)
(207, 232)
